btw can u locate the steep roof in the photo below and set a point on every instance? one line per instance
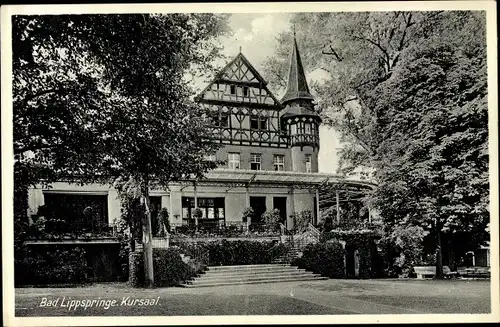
(297, 87)
(240, 70)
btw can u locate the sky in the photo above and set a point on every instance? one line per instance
(256, 35)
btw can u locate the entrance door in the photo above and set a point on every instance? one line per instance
(258, 204)
(279, 202)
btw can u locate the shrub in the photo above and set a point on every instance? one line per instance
(403, 248)
(163, 222)
(301, 220)
(326, 259)
(52, 266)
(247, 214)
(226, 253)
(271, 219)
(169, 269)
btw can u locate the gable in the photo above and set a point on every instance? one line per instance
(239, 83)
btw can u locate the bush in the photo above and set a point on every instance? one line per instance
(247, 214)
(51, 266)
(163, 222)
(326, 259)
(169, 269)
(272, 220)
(403, 248)
(301, 220)
(226, 253)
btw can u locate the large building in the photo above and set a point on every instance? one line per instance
(270, 147)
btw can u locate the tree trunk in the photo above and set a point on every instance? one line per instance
(439, 257)
(147, 239)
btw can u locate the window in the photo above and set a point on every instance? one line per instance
(263, 122)
(293, 129)
(209, 157)
(212, 209)
(257, 122)
(255, 160)
(84, 212)
(279, 162)
(234, 160)
(308, 163)
(233, 89)
(220, 119)
(307, 128)
(245, 91)
(254, 122)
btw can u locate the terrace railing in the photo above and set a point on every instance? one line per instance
(60, 229)
(227, 230)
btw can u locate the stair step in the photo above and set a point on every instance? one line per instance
(251, 271)
(244, 267)
(225, 283)
(248, 278)
(270, 273)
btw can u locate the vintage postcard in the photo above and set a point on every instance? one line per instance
(249, 163)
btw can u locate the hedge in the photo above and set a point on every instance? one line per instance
(51, 266)
(326, 259)
(240, 252)
(169, 268)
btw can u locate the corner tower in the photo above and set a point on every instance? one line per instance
(299, 117)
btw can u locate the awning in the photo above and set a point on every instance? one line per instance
(288, 178)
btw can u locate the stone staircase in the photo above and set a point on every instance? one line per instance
(251, 274)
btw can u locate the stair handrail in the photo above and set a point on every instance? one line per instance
(314, 230)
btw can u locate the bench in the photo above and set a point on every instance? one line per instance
(474, 272)
(423, 271)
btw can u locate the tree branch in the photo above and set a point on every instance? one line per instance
(332, 53)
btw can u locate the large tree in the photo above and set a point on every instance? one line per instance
(104, 98)
(407, 91)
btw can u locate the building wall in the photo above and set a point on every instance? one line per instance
(236, 199)
(298, 157)
(267, 155)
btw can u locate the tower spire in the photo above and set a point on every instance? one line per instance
(297, 88)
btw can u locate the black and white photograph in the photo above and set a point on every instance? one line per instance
(249, 163)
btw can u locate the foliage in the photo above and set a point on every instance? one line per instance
(169, 268)
(51, 266)
(224, 252)
(407, 91)
(197, 213)
(406, 247)
(164, 223)
(248, 214)
(326, 259)
(272, 219)
(104, 98)
(301, 220)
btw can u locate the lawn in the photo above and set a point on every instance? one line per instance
(295, 298)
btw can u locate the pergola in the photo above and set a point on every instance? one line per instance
(345, 189)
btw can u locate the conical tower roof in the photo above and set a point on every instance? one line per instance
(297, 88)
